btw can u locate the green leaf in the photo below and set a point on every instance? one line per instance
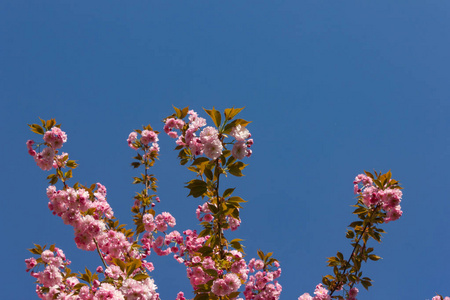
(230, 113)
(236, 245)
(36, 128)
(374, 257)
(261, 254)
(360, 210)
(236, 199)
(204, 296)
(136, 263)
(199, 160)
(68, 174)
(212, 272)
(206, 251)
(233, 295)
(178, 111)
(234, 123)
(236, 168)
(197, 188)
(71, 164)
(140, 276)
(350, 234)
(50, 123)
(119, 263)
(215, 116)
(208, 173)
(184, 112)
(366, 284)
(205, 232)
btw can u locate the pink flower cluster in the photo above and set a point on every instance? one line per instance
(242, 145)
(208, 142)
(204, 214)
(439, 298)
(54, 139)
(230, 283)
(55, 283)
(72, 204)
(321, 293)
(92, 218)
(161, 244)
(147, 137)
(53, 278)
(262, 285)
(389, 198)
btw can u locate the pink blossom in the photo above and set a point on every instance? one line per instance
(138, 290)
(213, 149)
(72, 281)
(60, 253)
(353, 292)
(44, 160)
(391, 198)
(209, 218)
(233, 282)
(189, 135)
(30, 144)
(220, 287)
(393, 214)
(148, 265)
(85, 293)
(364, 179)
(321, 293)
(305, 296)
(371, 196)
(259, 264)
(31, 263)
(196, 146)
(356, 189)
(114, 272)
(47, 255)
(107, 291)
(209, 134)
(239, 150)
(240, 133)
(131, 138)
(55, 137)
(50, 276)
(149, 223)
(171, 123)
(195, 121)
(148, 136)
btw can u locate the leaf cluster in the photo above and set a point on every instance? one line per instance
(348, 272)
(46, 125)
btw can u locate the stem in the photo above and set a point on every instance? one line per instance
(219, 221)
(99, 253)
(354, 248)
(146, 185)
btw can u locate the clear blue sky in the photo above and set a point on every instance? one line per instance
(332, 88)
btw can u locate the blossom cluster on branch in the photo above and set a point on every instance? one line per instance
(217, 268)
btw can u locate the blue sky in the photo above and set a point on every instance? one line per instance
(333, 88)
